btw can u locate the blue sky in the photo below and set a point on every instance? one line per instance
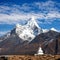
(46, 13)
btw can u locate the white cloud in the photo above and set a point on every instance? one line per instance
(2, 32)
(15, 13)
(48, 5)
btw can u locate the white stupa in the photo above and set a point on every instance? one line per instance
(40, 51)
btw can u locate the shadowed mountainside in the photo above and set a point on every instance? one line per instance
(49, 42)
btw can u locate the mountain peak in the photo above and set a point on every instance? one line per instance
(32, 22)
(45, 30)
(53, 29)
(29, 30)
(17, 25)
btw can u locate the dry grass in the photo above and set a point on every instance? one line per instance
(29, 57)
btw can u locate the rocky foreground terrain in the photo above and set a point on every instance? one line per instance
(30, 57)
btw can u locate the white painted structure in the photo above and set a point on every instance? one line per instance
(40, 51)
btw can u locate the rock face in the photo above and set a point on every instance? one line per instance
(26, 39)
(53, 47)
(49, 42)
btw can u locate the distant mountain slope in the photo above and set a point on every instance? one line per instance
(53, 46)
(15, 45)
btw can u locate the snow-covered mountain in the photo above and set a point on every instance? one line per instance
(25, 32)
(45, 30)
(52, 29)
(26, 39)
(28, 31)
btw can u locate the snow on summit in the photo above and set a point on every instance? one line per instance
(29, 30)
(54, 29)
